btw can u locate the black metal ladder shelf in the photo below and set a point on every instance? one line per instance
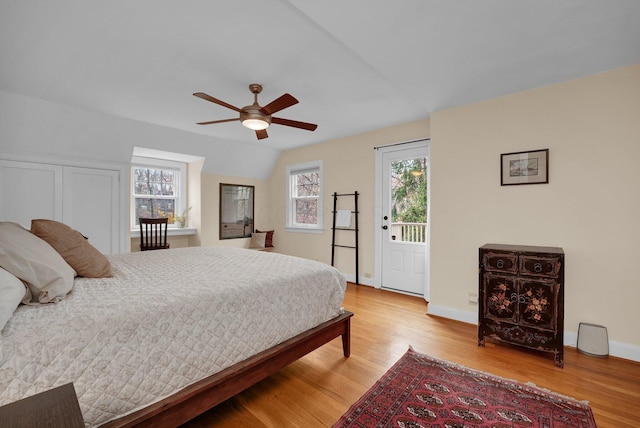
(354, 229)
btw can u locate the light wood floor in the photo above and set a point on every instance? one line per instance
(317, 389)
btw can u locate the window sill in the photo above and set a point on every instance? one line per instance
(303, 230)
(172, 231)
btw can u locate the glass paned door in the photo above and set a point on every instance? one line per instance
(404, 219)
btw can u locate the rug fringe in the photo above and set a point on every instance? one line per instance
(548, 391)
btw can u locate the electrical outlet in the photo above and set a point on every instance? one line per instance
(473, 298)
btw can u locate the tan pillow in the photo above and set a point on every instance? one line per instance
(258, 240)
(12, 291)
(31, 259)
(73, 247)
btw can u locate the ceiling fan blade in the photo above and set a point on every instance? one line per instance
(216, 101)
(278, 104)
(217, 121)
(262, 133)
(294, 123)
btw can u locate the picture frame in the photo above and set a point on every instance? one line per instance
(529, 167)
(236, 211)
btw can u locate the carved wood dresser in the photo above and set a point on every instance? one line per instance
(521, 297)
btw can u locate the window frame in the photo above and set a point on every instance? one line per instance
(180, 187)
(291, 171)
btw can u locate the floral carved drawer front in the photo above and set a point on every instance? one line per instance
(502, 299)
(537, 303)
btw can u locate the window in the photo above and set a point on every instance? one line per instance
(304, 196)
(158, 189)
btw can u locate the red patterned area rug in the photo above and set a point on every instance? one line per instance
(421, 391)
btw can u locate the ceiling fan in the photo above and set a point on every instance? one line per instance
(256, 117)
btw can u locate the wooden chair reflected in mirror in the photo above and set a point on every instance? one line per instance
(153, 234)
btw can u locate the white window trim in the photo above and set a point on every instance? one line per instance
(181, 199)
(289, 225)
(171, 231)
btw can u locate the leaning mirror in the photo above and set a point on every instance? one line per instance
(236, 211)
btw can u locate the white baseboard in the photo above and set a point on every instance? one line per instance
(363, 281)
(616, 349)
(454, 314)
(627, 351)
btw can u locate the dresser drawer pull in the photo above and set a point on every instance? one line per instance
(500, 263)
(537, 267)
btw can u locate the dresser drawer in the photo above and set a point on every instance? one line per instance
(520, 335)
(539, 266)
(500, 262)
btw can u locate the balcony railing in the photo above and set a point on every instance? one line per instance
(409, 232)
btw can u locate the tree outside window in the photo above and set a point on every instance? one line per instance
(409, 191)
(304, 191)
(307, 191)
(155, 192)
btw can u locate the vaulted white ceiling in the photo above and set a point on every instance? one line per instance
(354, 65)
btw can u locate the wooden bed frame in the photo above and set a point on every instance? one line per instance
(213, 390)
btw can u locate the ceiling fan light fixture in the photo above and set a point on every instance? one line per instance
(255, 124)
(252, 118)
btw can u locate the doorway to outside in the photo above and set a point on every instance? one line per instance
(402, 211)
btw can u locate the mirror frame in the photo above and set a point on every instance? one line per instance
(240, 228)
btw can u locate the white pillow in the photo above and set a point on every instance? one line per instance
(12, 290)
(31, 259)
(258, 240)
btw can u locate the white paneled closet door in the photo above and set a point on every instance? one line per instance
(30, 190)
(86, 199)
(91, 205)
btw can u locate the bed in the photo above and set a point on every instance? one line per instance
(173, 332)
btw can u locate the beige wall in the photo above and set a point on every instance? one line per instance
(591, 206)
(348, 165)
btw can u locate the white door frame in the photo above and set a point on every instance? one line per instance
(377, 224)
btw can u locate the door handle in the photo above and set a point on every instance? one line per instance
(385, 227)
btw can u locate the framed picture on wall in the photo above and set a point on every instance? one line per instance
(531, 167)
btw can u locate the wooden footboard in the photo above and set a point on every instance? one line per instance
(207, 393)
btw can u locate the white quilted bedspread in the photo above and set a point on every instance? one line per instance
(165, 320)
